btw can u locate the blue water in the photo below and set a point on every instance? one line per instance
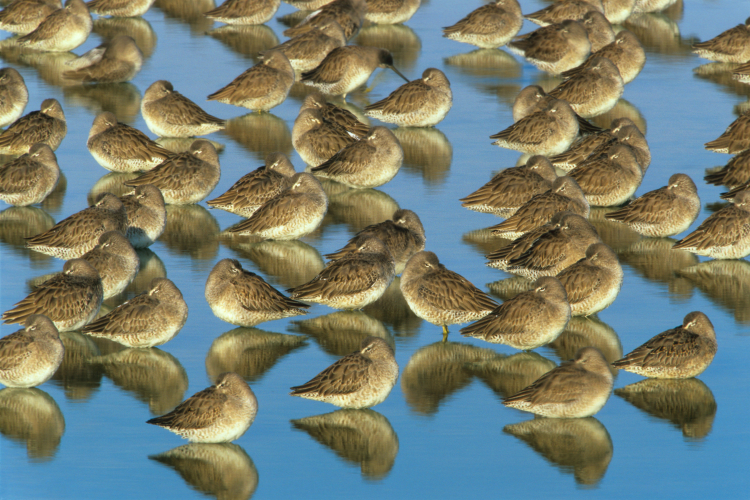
(440, 432)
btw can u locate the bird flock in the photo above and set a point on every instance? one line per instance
(569, 166)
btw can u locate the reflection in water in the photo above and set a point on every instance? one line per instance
(250, 352)
(616, 235)
(660, 34)
(54, 200)
(224, 471)
(623, 109)
(342, 332)
(363, 437)
(721, 74)
(584, 332)
(508, 288)
(687, 403)
(486, 63)
(578, 445)
(507, 375)
(292, 262)
(399, 39)
(392, 309)
(122, 99)
(427, 152)
(261, 134)
(357, 208)
(32, 417)
(151, 267)
(655, 260)
(191, 230)
(725, 282)
(436, 371)
(113, 182)
(183, 144)
(18, 223)
(49, 65)
(76, 375)
(153, 376)
(136, 28)
(246, 40)
(484, 241)
(189, 11)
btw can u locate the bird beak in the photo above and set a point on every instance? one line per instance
(399, 73)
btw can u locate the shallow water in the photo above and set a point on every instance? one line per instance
(443, 431)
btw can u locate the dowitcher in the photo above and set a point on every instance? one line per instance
(564, 9)
(575, 389)
(547, 132)
(499, 258)
(23, 16)
(218, 414)
(295, 212)
(403, 234)
(609, 179)
(115, 260)
(120, 8)
(593, 144)
(742, 73)
(185, 178)
(332, 113)
(243, 298)
(735, 173)
(508, 190)
(419, 103)
(121, 148)
(368, 163)
(390, 11)
(441, 296)
(488, 27)
(168, 113)
(61, 31)
(346, 68)
(14, 96)
(244, 11)
(361, 379)
(75, 235)
(147, 215)
(593, 90)
(317, 139)
(617, 11)
(529, 320)
(554, 48)
(533, 98)
(353, 281)
(116, 60)
(30, 357)
(725, 234)
(732, 46)
(681, 352)
(592, 283)
(598, 29)
(350, 14)
(149, 319)
(46, 125)
(262, 87)
(30, 178)
(257, 187)
(564, 195)
(69, 299)
(735, 139)
(663, 212)
(307, 50)
(626, 52)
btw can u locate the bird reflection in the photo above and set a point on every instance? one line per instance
(427, 152)
(291, 263)
(357, 208)
(189, 11)
(399, 39)
(32, 417)
(224, 471)
(192, 230)
(76, 375)
(54, 200)
(584, 332)
(122, 99)
(721, 74)
(725, 282)
(342, 332)
(616, 235)
(392, 309)
(113, 182)
(250, 352)
(136, 28)
(578, 445)
(508, 288)
(623, 109)
(362, 437)
(486, 63)
(655, 260)
(687, 403)
(19, 223)
(246, 40)
(261, 134)
(151, 267)
(484, 241)
(183, 144)
(153, 376)
(507, 375)
(49, 65)
(436, 371)
(659, 34)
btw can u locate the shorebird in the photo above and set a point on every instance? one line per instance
(14, 96)
(116, 60)
(30, 178)
(116, 261)
(30, 357)
(732, 46)
(592, 283)
(61, 31)
(350, 14)
(488, 27)
(555, 48)
(119, 8)
(609, 179)
(361, 379)
(564, 9)
(147, 215)
(533, 98)
(331, 113)
(168, 113)
(593, 90)
(307, 50)
(46, 125)
(244, 11)
(625, 52)
(23, 16)
(735, 139)
(317, 139)
(547, 132)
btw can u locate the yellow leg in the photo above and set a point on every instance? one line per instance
(445, 333)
